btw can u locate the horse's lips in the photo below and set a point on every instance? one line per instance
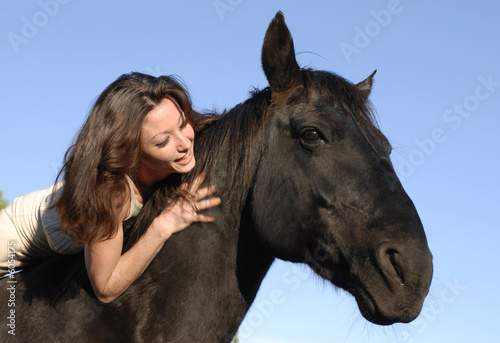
(369, 309)
(373, 310)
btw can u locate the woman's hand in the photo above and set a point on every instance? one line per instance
(111, 273)
(183, 212)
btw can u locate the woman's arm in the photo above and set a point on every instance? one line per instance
(111, 273)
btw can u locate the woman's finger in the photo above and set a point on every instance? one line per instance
(193, 186)
(206, 204)
(204, 192)
(204, 219)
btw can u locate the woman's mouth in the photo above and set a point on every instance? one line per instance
(186, 158)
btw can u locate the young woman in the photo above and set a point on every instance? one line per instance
(139, 132)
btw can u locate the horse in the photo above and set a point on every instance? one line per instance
(305, 176)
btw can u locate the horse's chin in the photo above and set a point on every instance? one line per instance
(379, 313)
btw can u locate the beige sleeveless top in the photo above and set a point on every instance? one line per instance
(39, 225)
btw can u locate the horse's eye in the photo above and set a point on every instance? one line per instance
(311, 135)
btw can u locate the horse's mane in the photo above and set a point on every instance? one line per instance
(235, 129)
(239, 127)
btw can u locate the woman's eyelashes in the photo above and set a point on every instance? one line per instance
(162, 144)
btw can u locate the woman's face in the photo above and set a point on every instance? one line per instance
(167, 144)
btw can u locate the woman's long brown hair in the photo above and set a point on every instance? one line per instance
(107, 148)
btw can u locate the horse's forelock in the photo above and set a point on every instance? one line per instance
(347, 98)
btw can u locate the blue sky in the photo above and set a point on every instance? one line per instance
(437, 94)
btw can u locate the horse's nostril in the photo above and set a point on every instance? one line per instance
(391, 266)
(397, 273)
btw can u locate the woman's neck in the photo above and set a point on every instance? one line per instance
(144, 184)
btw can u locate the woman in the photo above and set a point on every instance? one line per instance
(139, 132)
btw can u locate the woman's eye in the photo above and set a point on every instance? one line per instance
(162, 144)
(311, 135)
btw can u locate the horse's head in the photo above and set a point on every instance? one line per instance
(336, 202)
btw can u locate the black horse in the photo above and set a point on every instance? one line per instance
(305, 176)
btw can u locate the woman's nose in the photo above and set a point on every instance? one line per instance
(184, 142)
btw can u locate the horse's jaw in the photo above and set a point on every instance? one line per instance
(389, 280)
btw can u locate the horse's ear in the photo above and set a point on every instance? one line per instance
(278, 55)
(365, 87)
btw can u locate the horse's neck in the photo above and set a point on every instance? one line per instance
(253, 261)
(233, 172)
(211, 276)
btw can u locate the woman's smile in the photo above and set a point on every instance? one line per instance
(186, 159)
